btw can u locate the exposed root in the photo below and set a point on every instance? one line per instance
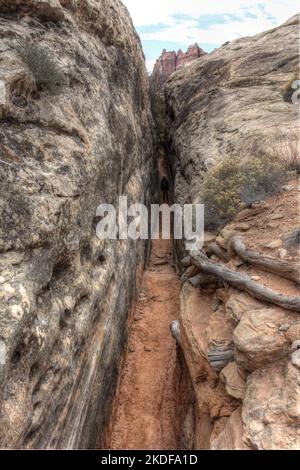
(280, 267)
(243, 282)
(215, 249)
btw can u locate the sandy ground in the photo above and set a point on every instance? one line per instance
(146, 414)
(146, 409)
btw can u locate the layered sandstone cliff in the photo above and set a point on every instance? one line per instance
(170, 61)
(64, 294)
(241, 352)
(230, 102)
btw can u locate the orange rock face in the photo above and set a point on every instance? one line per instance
(170, 61)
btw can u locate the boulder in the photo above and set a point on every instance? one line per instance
(271, 408)
(234, 380)
(293, 333)
(231, 438)
(296, 358)
(238, 303)
(257, 338)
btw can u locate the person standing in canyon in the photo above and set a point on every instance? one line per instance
(165, 187)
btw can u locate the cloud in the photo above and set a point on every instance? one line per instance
(209, 23)
(161, 11)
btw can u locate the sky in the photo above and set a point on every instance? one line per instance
(175, 24)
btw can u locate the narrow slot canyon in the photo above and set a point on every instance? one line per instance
(117, 343)
(146, 415)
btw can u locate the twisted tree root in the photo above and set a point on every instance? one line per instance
(280, 267)
(243, 282)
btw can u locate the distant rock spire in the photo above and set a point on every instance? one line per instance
(170, 61)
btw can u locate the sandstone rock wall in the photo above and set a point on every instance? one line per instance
(64, 294)
(240, 352)
(243, 354)
(229, 102)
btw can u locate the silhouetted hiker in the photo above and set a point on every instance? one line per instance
(164, 186)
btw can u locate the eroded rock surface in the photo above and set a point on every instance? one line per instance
(64, 294)
(271, 408)
(241, 353)
(229, 102)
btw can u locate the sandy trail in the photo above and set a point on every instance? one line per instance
(146, 409)
(146, 415)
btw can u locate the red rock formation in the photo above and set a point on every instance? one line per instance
(170, 61)
(193, 53)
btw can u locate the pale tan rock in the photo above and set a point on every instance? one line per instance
(291, 392)
(234, 379)
(222, 242)
(209, 237)
(289, 187)
(274, 244)
(238, 303)
(231, 438)
(200, 329)
(293, 332)
(296, 358)
(257, 338)
(282, 253)
(276, 217)
(256, 278)
(228, 232)
(271, 408)
(242, 227)
(296, 345)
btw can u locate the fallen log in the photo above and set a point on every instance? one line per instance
(280, 267)
(243, 282)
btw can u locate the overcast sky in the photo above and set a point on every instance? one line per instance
(174, 24)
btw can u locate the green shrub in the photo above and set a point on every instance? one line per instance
(44, 68)
(236, 182)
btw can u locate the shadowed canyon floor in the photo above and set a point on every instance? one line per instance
(146, 410)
